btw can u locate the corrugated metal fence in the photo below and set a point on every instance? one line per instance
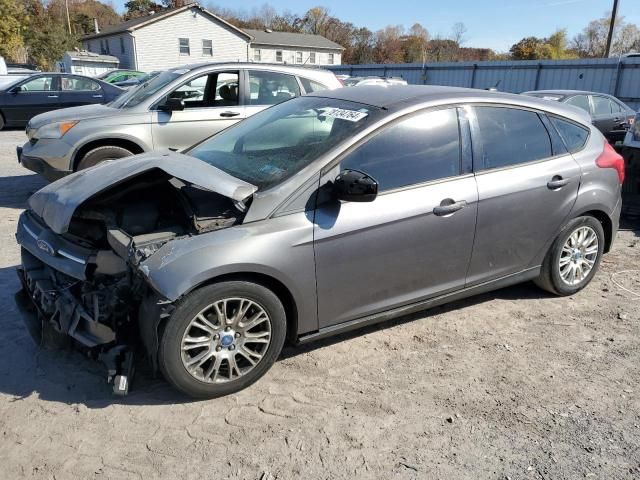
(619, 77)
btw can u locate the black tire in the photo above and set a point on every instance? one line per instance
(550, 278)
(101, 154)
(169, 349)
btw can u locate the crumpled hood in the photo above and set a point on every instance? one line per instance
(83, 112)
(57, 202)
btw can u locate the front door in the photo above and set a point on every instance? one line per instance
(414, 240)
(32, 97)
(527, 185)
(212, 103)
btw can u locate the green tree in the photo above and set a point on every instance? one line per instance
(13, 22)
(140, 8)
(529, 48)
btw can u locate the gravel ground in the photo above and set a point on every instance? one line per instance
(513, 384)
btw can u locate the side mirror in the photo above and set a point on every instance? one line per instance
(15, 90)
(355, 186)
(172, 105)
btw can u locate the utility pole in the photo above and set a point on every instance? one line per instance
(612, 24)
(66, 2)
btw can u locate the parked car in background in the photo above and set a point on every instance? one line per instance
(612, 117)
(317, 216)
(43, 92)
(132, 82)
(113, 76)
(360, 81)
(631, 154)
(173, 110)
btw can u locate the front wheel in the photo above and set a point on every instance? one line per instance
(222, 338)
(102, 154)
(574, 257)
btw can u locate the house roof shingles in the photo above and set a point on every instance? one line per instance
(288, 39)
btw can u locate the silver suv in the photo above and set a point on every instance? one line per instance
(314, 217)
(173, 110)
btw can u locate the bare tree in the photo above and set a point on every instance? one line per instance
(458, 33)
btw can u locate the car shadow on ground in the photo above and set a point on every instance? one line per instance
(69, 377)
(16, 190)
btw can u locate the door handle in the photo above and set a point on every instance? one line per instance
(448, 206)
(557, 182)
(229, 114)
(52, 96)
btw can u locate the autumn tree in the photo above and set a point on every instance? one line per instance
(12, 27)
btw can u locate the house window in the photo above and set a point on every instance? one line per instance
(278, 55)
(184, 46)
(256, 55)
(207, 48)
(104, 46)
(121, 44)
(312, 57)
(298, 57)
(331, 60)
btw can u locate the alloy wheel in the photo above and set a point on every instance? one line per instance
(579, 255)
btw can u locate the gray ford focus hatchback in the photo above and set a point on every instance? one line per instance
(316, 216)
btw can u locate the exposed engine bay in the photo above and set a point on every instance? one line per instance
(86, 283)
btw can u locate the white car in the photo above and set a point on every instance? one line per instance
(359, 81)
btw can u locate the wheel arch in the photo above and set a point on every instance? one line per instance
(605, 221)
(127, 143)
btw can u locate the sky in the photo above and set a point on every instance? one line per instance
(495, 24)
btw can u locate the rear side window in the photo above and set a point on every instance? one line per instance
(580, 101)
(311, 86)
(602, 106)
(573, 136)
(510, 136)
(419, 149)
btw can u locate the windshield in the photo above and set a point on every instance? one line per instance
(139, 94)
(277, 143)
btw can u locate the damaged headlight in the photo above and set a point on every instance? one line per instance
(54, 130)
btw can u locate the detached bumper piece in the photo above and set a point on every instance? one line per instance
(57, 308)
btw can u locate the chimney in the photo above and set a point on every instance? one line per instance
(95, 25)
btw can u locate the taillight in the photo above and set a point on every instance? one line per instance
(609, 158)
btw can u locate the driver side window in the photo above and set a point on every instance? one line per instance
(418, 149)
(40, 84)
(219, 89)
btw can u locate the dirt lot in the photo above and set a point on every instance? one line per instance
(513, 384)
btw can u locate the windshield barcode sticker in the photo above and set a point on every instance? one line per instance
(342, 114)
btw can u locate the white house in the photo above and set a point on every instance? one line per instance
(87, 63)
(191, 34)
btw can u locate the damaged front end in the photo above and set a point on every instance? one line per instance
(82, 279)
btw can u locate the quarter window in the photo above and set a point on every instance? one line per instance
(418, 149)
(580, 101)
(184, 46)
(510, 136)
(207, 48)
(573, 136)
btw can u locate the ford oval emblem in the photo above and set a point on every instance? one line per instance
(46, 247)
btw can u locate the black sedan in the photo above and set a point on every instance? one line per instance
(612, 117)
(36, 94)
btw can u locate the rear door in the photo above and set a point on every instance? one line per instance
(603, 116)
(213, 102)
(527, 185)
(404, 246)
(32, 97)
(77, 91)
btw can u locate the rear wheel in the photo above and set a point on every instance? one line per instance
(222, 338)
(101, 154)
(574, 257)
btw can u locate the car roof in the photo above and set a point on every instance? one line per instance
(566, 93)
(399, 97)
(268, 66)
